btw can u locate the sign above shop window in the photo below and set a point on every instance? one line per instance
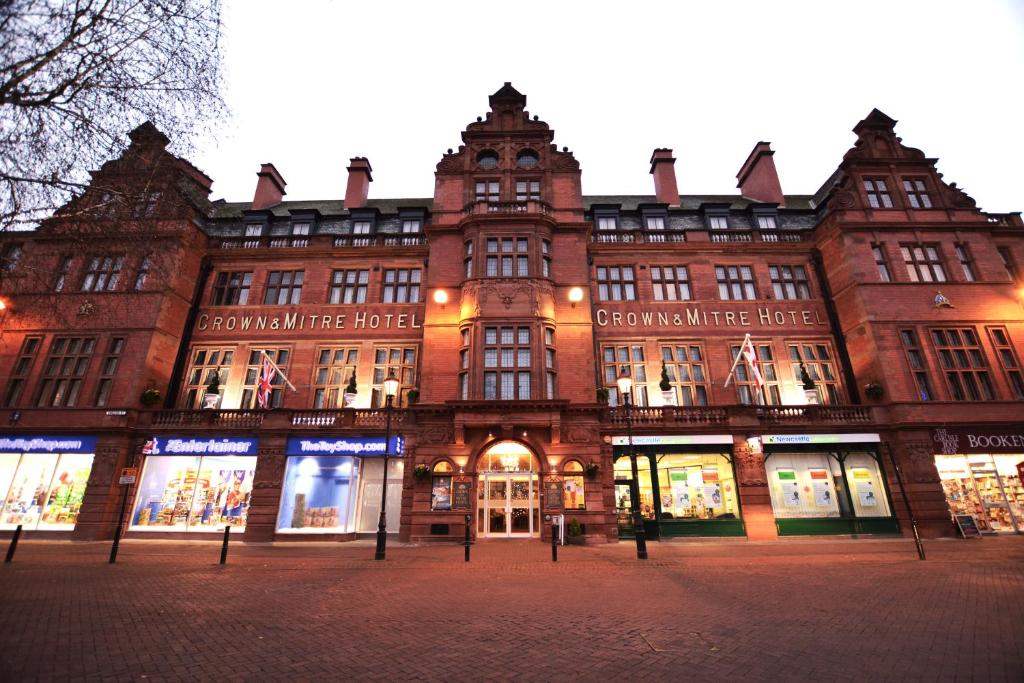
(797, 439)
(47, 444)
(353, 445)
(965, 440)
(674, 439)
(188, 445)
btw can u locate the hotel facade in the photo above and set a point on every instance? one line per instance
(886, 311)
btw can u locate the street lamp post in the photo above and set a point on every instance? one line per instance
(625, 383)
(391, 385)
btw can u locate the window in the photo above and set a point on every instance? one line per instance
(616, 283)
(527, 159)
(362, 227)
(789, 282)
(254, 230)
(545, 248)
(817, 358)
(964, 256)
(349, 286)
(488, 191)
(231, 289)
(300, 229)
(206, 363)
(878, 193)
(1008, 263)
(281, 357)
(284, 287)
(507, 363)
(607, 222)
(21, 369)
(915, 358)
(766, 223)
(692, 486)
(671, 283)
(718, 222)
(654, 222)
(441, 486)
(963, 362)
(527, 190)
(142, 274)
(411, 225)
(64, 372)
(917, 193)
(628, 358)
(11, 256)
(923, 262)
(468, 260)
(108, 370)
(63, 270)
(102, 274)
(464, 336)
(813, 485)
(401, 286)
(334, 367)
(401, 360)
(487, 159)
(735, 283)
(549, 363)
(746, 387)
(684, 364)
(572, 482)
(1009, 360)
(878, 251)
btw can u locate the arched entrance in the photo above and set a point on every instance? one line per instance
(508, 492)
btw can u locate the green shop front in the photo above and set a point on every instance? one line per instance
(686, 485)
(828, 484)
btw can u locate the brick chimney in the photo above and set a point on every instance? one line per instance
(269, 188)
(758, 179)
(359, 180)
(664, 172)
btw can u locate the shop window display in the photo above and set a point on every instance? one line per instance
(986, 486)
(806, 485)
(867, 490)
(573, 495)
(697, 487)
(42, 490)
(318, 494)
(371, 474)
(623, 470)
(192, 493)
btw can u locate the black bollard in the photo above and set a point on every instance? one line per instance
(224, 547)
(466, 542)
(14, 544)
(554, 541)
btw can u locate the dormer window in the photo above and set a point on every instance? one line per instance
(654, 222)
(766, 223)
(607, 222)
(300, 229)
(254, 230)
(718, 222)
(410, 226)
(362, 227)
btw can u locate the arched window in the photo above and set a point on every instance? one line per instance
(442, 467)
(508, 456)
(441, 488)
(574, 487)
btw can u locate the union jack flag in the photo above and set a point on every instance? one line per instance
(749, 354)
(264, 389)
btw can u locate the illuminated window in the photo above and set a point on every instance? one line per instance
(629, 359)
(398, 359)
(334, 368)
(963, 363)
(281, 357)
(685, 366)
(205, 363)
(507, 363)
(746, 386)
(64, 372)
(918, 368)
(573, 497)
(817, 358)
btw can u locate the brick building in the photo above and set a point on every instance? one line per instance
(885, 310)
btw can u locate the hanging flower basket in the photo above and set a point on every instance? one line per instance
(420, 472)
(150, 397)
(874, 391)
(592, 470)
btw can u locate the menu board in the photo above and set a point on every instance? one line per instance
(553, 494)
(441, 493)
(968, 526)
(461, 491)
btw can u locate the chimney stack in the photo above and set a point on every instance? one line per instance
(359, 180)
(664, 172)
(269, 188)
(758, 179)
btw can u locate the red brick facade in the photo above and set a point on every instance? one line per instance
(466, 297)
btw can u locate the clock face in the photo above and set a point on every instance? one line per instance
(527, 159)
(487, 159)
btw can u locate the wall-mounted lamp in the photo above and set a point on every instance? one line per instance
(575, 296)
(440, 297)
(3, 305)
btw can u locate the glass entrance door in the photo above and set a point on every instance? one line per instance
(508, 505)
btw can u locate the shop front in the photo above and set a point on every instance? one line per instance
(686, 483)
(194, 484)
(828, 484)
(980, 470)
(333, 485)
(43, 480)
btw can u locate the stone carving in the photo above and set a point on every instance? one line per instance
(506, 291)
(750, 468)
(917, 462)
(581, 435)
(843, 200)
(959, 198)
(269, 468)
(435, 435)
(564, 161)
(450, 163)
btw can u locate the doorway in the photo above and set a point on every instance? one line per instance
(508, 493)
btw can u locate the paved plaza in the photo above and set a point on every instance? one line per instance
(793, 610)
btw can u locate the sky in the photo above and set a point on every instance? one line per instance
(319, 82)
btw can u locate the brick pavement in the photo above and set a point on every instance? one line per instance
(795, 610)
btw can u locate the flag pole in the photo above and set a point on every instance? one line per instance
(279, 371)
(739, 355)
